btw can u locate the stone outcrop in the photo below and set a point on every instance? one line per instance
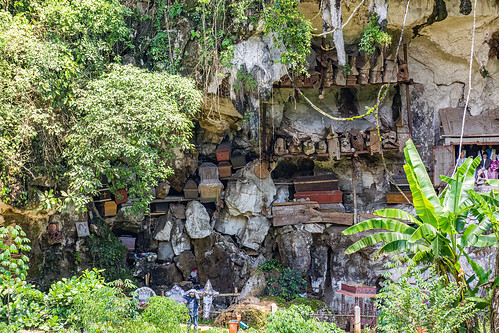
(294, 249)
(256, 229)
(198, 220)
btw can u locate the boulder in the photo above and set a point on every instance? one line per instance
(255, 232)
(197, 220)
(203, 246)
(178, 210)
(163, 229)
(255, 286)
(231, 225)
(165, 251)
(294, 249)
(165, 275)
(186, 262)
(318, 268)
(314, 228)
(246, 196)
(179, 238)
(218, 268)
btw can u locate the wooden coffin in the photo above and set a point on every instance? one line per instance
(129, 242)
(108, 208)
(238, 160)
(159, 207)
(397, 197)
(316, 183)
(224, 169)
(210, 192)
(208, 172)
(402, 182)
(374, 143)
(351, 80)
(191, 189)
(357, 290)
(121, 196)
(291, 213)
(104, 195)
(321, 197)
(223, 151)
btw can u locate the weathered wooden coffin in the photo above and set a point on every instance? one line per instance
(108, 208)
(321, 197)
(191, 189)
(291, 213)
(397, 197)
(238, 160)
(223, 151)
(327, 182)
(121, 196)
(210, 187)
(224, 169)
(129, 242)
(358, 289)
(104, 195)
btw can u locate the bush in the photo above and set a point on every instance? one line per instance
(281, 281)
(165, 314)
(429, 304)
(297, 319)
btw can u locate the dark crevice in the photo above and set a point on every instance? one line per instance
(465, 7)
(439, 14)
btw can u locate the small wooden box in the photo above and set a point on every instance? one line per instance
(121, 196)
(316, 183)
(351, 80)
(159, 207)
(224, 169)
(210, 192)
(129, 242)
(108, 208)
(321, 197)
(223, 151)
(238, 160)
(191, 189)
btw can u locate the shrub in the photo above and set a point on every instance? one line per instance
(429, 304)
(165, 314)
(281, 281)
(297, 319)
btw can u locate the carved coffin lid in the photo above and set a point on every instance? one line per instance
(191, 185)
(357, 290)
(208, 173)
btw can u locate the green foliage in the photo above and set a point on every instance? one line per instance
(108, 253)
(291, 31)
(297, 319)
(165, 314)
(282, 281)
(132, 120)
(244, 81)
(440, 234)
(428, 303)
(373, 36)
(13, 263)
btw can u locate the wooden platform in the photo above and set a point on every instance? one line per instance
(397, 197)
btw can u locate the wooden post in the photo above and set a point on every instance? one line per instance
(357, 323)
(355, 167)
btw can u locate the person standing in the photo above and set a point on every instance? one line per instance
(494, 167)
(193, 305)
(462, 158)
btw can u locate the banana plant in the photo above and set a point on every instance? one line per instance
(439, 233)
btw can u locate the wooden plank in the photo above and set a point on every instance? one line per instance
(443, 163)
(291, 213)
(397, 197)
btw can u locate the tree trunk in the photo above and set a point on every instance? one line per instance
(494, 303)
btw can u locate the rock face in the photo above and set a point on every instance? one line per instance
(231, 225)
(165, 251)
(164, 227)
(197, 220)
(179, 238)
(255, 286)
(256, 229)
(294, 248)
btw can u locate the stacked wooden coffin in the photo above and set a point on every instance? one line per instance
(394, 196)
(322, 189)
(210, 187)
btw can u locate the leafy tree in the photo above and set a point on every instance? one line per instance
(131, 121)
(428, 303)
(439, 234)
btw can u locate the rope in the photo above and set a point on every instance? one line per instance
(469, 84)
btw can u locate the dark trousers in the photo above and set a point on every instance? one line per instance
(193, 320)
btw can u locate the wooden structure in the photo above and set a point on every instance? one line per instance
(210, 187)
(359, 292)
(190, 189)
(394, 196)
(327, 182)
(224, 169)
(238, 160)
(128, 241)
(223, 151)
(108, 208)
(121, 196)
(322, 197)
(296, 212)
